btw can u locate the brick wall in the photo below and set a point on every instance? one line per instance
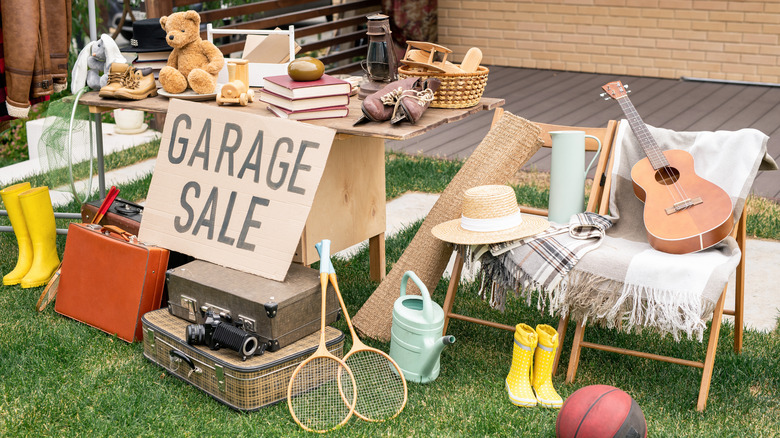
(716, 39)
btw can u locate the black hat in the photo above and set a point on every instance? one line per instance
(148, 36)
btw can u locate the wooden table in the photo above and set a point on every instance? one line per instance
(349, 206)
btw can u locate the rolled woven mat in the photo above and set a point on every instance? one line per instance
(507, 146)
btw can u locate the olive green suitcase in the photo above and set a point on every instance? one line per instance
(278, 313)
(243, 385)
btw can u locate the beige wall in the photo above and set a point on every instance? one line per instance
(733, 40)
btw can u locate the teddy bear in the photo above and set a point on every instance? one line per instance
(194, 63)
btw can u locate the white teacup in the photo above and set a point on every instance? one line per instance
(128, 120)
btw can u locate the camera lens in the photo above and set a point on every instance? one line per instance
(196, 334)
(249, 347)
(236, 339)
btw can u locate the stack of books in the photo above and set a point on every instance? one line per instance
(298, 100)
(155, 60)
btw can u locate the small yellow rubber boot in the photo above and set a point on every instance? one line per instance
(10, 196)
(518, 383)
(543, 364)
(39, 216)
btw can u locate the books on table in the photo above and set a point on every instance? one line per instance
(157, 65)
(154, 60)
(153, 56)
(283, 85)
(303, 104)
(310, 114)
(324, 98)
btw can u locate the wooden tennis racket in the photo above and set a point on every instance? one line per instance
(322, 392)
(381, 386)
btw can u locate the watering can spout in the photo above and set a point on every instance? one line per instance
(431, 354)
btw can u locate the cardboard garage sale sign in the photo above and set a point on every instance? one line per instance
(234, 188)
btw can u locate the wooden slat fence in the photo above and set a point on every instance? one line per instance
(342, 32)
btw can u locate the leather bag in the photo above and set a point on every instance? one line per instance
(109, 279)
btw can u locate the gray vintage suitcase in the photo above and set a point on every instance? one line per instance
(244, 385)
(278, 313)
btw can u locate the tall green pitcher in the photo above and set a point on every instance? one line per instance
(567, 178)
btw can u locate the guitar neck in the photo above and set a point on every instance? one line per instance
(646, 140)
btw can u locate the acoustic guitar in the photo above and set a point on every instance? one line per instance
(683, 212)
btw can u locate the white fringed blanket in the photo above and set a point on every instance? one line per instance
(625, 283)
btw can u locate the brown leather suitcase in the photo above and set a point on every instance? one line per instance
(122, 213)
(278, 313)
(109, 279)
(245, 385)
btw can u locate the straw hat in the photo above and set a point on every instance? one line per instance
(489, 215)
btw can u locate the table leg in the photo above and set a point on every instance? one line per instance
(376, 256)
(100, 164)
(349, 206)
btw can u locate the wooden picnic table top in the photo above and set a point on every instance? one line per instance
(432, 118)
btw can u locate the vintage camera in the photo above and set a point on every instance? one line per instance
(219, 331)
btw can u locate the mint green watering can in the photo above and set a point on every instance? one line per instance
(416, 341)
(567, 179)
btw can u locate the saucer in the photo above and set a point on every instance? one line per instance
(187, 95)
(138, 130)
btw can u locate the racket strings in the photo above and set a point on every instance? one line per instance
(380, 386)
(322, 394)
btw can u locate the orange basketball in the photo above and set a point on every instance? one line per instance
(600, 411)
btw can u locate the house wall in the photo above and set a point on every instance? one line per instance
(715, 39)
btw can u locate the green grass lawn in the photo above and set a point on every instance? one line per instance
(60, 377)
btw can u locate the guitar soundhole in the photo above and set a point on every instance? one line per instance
(667, 175)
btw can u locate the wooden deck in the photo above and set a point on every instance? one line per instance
(569, 98)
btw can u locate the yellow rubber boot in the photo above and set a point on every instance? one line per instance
(39, 216)
(518, 383)
(10, 196)
(543, 364)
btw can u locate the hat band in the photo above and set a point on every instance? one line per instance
(491, 224)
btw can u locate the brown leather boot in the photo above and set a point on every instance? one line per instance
(374, 110)
(412, 103)
(138, 85)
(117, 75)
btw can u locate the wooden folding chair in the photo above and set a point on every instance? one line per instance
(606, 135)
(599, 202)
(739, 233)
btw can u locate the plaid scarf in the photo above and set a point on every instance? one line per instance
(544, 259)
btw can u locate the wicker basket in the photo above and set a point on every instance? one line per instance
(458, 90)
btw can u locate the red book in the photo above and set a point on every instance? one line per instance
(310, 114)
(327, 85)
(303, 104)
